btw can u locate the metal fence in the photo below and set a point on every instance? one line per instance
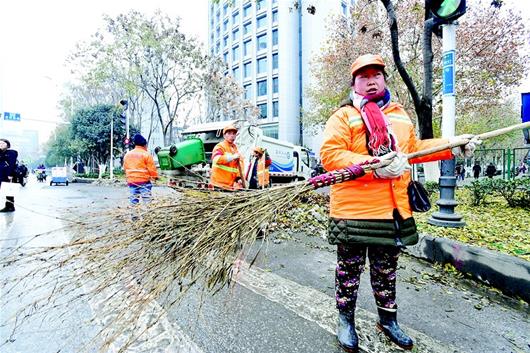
(508, 162)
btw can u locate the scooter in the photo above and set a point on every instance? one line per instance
(41, 176)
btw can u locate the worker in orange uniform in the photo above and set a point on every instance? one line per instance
(371, 216)
(227, 162)
(258, 169)
(140, 170)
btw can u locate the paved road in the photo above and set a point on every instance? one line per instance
(284, 303)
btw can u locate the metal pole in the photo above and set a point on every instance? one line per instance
(111, 147)
(446, 216)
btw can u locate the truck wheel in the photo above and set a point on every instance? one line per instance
(67, 183)
(51, 183)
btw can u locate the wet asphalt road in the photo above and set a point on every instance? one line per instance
(283, 304)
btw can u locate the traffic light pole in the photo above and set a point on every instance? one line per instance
(446, 216)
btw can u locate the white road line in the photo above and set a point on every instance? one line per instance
(319, 308)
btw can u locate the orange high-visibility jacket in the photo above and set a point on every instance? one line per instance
(370, 198)
(225, 169)
(139, 166)
(263, 170)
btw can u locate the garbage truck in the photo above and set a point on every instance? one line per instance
(188, 163)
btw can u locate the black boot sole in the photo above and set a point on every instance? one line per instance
(349, 349)
(381, 329)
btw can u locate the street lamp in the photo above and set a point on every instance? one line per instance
(111, 172)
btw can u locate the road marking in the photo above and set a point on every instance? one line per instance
(319, 308)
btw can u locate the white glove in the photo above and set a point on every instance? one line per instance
(396, 168)
(467, 150)
(233, 157)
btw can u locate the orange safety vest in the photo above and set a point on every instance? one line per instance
(225, 170)
(139, 166)
(370, 198)
(263, 170)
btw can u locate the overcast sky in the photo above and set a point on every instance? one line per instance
(37, 35)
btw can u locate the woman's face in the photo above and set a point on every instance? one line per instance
(3, 145)
(369, 80)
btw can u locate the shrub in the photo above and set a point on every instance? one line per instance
(480, 189)
(516, 191)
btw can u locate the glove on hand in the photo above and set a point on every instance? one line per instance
(397, 167)
(467, 150)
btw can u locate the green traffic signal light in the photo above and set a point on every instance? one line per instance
(448, 9)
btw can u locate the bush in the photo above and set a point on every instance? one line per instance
(516, 192)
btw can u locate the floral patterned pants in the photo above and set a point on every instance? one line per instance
(350, 265)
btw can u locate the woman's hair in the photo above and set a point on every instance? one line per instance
(7, 142)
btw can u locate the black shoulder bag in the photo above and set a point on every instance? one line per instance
(418, 197)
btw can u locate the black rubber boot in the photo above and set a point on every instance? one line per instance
(388, 324)
(346, 334)
(10, 204)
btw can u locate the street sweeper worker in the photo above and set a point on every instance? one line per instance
(226, 161)
(371, 215)
(140, 170)
(258, 169)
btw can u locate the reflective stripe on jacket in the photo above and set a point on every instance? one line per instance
(225, 169)
(139, 166)
(369, 198)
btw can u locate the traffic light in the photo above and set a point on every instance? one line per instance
(123, 118)
(127, 142)
(447, 10)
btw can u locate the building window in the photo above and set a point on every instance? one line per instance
(237, 74)
(247, 28)
(235, 18)
(217, 47)
(261, 42)
(225, 41)
(225, 57)
(261, 22)
(246, 48)
(225, 9)
(261, 88)
(270, 131)
(235, 53)
(275, 37)
(235, 35)
(262, 110)
(248, 91)
(225, 25)
(218, 31)
(275, 16)
(275, 85)
(261, 4)
(218, 16)
(344, 8)
(247, 68)
(275, 107)
(275, 61)
(262, 65)
(274, 1)
(246, 10)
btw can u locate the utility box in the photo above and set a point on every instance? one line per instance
(183, 154)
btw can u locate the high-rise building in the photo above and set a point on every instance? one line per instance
(267, 46)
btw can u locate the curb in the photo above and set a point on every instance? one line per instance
(507, 273)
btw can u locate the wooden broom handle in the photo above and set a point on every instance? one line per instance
(462, 142)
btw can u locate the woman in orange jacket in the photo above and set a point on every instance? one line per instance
(371, 215)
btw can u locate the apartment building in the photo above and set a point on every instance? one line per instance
(267, 46)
